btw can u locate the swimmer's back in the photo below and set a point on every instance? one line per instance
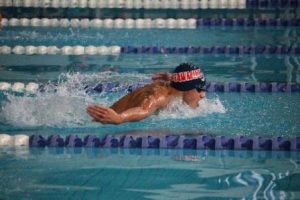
(140, 96)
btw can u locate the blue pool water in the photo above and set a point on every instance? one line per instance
(147, 174)
(113, 173)
(63, 110)
(154, 37)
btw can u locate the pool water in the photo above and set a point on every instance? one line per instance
(154, 37)
(62, 109)
(147, 174)
(113, 173)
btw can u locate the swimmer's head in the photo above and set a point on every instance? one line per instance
(188, 77)
(190, 80)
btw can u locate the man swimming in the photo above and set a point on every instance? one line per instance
(186, 82)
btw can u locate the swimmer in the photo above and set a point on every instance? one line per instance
(186, 82)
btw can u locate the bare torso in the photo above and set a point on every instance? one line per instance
(158, 92)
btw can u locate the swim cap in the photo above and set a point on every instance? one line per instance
(187, 77)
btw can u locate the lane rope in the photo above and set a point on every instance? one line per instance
(116, 50)
(147, 23)
(271, 87)
(152, 4)
(275, 143)
(130, 4)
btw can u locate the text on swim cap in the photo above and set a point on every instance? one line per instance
(187, 76)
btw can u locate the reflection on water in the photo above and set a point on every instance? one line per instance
(148, 174)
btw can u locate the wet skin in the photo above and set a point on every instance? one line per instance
(142, 103)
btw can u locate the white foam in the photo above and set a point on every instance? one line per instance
(62, 105)
(48, 109)
(177, 109)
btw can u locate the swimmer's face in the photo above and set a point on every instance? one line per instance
(192, 97)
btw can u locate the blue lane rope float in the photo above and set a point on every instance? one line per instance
(210, 87)
(226, 49)
(272, 3)
(255, 22)
(201, 141)
(171, 141)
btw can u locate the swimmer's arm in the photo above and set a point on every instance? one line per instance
(136, 114)
(106, 115)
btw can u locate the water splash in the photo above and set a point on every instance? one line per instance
(63, 104)
(177, 109)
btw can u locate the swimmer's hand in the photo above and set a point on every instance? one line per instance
(162, 76)
(104, 115)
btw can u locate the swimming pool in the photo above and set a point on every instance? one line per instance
(122, 55)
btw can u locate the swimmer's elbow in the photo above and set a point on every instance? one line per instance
(135, 114)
